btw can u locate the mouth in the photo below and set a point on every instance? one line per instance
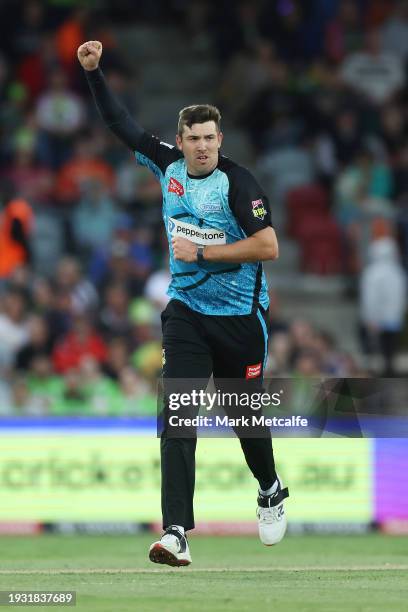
(202, 158)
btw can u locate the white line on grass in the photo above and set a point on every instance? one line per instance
(201, 570)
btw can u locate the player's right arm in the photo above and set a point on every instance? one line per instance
(115, 115)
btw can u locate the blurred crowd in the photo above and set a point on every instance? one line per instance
(320, 88)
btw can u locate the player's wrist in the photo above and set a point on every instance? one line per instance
(200, 254)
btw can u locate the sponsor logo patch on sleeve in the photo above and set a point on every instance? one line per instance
(258, 209)
(175, 187)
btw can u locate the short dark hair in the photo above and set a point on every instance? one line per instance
(198, 113)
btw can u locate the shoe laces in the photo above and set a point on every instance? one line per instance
(169, 539)
(272, 514)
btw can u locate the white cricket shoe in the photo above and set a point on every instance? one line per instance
(271, 516)
(172, 549)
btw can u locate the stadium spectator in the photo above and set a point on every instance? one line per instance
(377, 12)
(271, 117)
(232, 26)
(46, 388)
(114, 319)
(13, 103)
(362, 194)
(287, 167)
(346, 136)
(4, 73)
(102, 393)
(156, 288)
(127, 260)
(248, 72)
(118, 79)
(73, 397)
(344, 33)
(141, 255)
(394, 31)
(42, 295)
(383, 301)
(361, 185)
(401, 177)
(401, 201)
(69, 279)
(378, 75)
(276, 321)
(28, 30)
(94, 217)
(128, 176)
(279, 355)
(138, 397)
(22, 402)
(80, 342)
(6, 408)
(393, 131)
(34, 69)
(117, 358)
(34, 181)
(58, 312)
(284, 23)
(14, 332)
(301, 335)
(145, 199)
(333, 362)
(111, 265)
(60, 114)
(26, 136)
(69, 36)
(39, 342)
(16, 223)
(148, 360)
(307, 364)
(82, 167)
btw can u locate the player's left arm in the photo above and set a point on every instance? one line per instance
(250, 206)
(261, 246)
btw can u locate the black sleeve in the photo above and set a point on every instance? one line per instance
(248, 201)
(117, 118)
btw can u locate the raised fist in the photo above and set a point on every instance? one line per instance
(89, 54)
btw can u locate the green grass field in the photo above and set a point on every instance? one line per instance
(303, 573)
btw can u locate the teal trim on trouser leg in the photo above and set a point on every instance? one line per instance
(265, 331)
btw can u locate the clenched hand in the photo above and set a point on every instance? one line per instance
(89, 54)
(184, 249)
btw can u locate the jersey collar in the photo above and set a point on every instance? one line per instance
(204, 176)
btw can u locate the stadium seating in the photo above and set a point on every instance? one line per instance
(320, 240)
(302, 202)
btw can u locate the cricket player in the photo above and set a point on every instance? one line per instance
(218, 225)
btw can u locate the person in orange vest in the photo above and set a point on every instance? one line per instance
(16, 224)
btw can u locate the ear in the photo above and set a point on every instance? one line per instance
(220, 139)
(179, 142)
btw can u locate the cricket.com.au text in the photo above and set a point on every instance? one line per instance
(253, 401)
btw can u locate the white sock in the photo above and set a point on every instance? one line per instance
(271, 489)
(180, 528)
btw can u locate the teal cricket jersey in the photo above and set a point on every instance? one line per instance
(219, 208)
